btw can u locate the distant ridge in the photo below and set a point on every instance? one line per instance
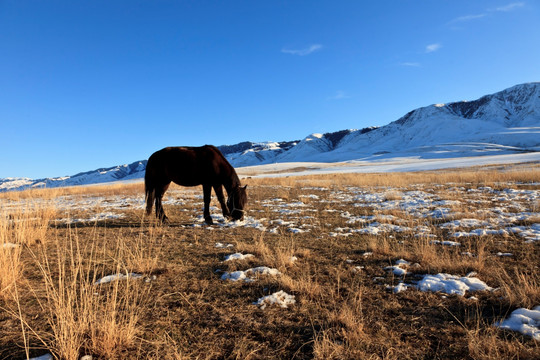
(501, 123)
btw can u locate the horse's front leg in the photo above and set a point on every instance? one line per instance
(207, 191)
(218, 189)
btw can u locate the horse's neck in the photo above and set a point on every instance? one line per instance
(231, 182)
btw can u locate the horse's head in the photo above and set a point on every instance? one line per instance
(236, 202)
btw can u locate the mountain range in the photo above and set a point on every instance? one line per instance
(501, 123)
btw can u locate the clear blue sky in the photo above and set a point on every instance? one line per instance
(89, 84)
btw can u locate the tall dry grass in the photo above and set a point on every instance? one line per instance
(82, 315)
(10, 260)
(52, 193)
(20, 228)
(77, 316)
(520, 288)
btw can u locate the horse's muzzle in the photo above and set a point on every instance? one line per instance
(237, 214)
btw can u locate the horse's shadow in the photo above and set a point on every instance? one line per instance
(121, 224)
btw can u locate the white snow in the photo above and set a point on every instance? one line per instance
(397, 270)
(15, 183)
(524, 321)
(238, 256)
(94, 218)
(399, 287)
(221, 223)
(296, 230)
(452, 284)
(9, 245)
(402, 262)
(280, 298)
(467, 223)
(115, 277)
(376, 164)
(235, 276)
(43, 357)
(223, 246)
(479, 232)
(400, 268)
(250, 274)
(445, 242)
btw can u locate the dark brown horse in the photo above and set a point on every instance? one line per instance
(192, 166)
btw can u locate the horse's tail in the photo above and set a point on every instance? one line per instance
(150, 191)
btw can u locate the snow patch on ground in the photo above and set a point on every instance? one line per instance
(524, 321)
(452, 284)
(43, 357)
(445, 242)
(400, 268)
(9, 245)
(249, 275)
(238, 256)
(399, 287)
(280, 298)
(95, 218)
(223, 246)
(115, 277)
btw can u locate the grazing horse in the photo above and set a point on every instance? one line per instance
(192, 166)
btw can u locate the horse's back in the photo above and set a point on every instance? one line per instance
(188, 156)
(188, 165)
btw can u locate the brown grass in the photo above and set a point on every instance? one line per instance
(181, 309)
(479, 176)
(83, 316)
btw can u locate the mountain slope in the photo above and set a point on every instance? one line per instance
(504, 122)
(122, 172)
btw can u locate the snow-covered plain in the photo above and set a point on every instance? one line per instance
(381, 164)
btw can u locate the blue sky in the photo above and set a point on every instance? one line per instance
(89, 84)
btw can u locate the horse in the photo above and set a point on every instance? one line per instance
(193, 166)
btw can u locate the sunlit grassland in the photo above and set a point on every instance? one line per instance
(179, 308)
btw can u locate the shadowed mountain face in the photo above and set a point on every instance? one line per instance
(504, 122)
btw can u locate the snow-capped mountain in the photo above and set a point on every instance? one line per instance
(506, 121)
(103, 175)
(501, 123)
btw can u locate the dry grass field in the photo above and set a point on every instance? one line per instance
(345, 266)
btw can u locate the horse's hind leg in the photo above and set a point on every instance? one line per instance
(160, 213)
(207, 192)
(218, 189)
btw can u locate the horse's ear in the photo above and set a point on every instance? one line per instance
(245, 187)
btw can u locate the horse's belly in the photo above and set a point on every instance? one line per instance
(186, 181)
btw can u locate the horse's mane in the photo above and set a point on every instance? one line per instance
(234, 179)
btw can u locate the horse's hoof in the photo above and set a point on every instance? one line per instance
(208, 221)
